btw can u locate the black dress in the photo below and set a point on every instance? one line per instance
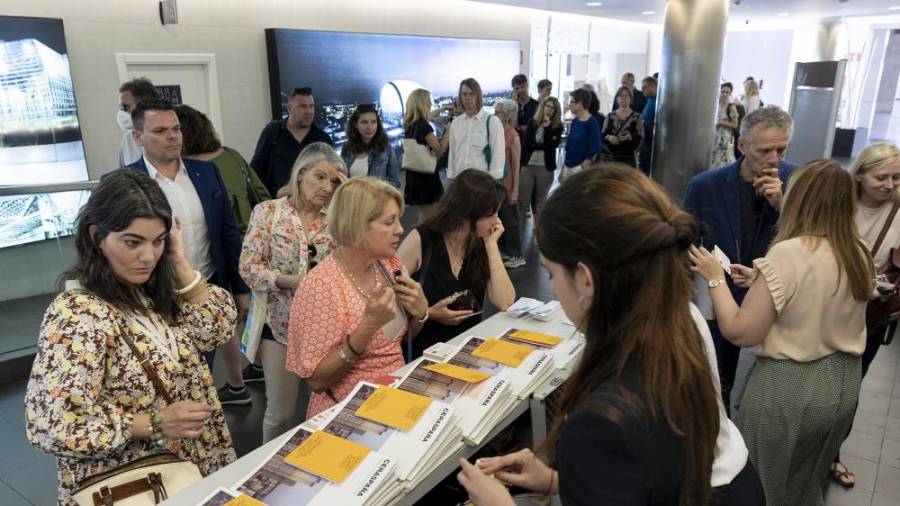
(439, 283)
(421, 189)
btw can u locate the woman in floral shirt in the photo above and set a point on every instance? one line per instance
(89, 403)
(286, 238)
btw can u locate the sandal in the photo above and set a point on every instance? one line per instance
(842, 475)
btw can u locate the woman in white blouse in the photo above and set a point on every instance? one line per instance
(285, 239)
(805, 314)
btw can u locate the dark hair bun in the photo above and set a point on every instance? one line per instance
(687, 229)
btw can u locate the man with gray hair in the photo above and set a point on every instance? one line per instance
(738, 206)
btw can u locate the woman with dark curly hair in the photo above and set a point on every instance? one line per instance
(132, 298)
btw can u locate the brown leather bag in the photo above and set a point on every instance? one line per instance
(147, 480)
(883, 313)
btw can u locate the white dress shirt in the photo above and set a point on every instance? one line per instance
(468, 137)
(185, 203)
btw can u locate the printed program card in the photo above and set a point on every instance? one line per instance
(328, 456)
(503, 352)
(243, 500)
(537, 338)
(457, 372)
(395, 408)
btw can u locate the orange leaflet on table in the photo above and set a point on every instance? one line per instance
(502, 351)
(244, 500)
(457, 372)
(535, 338)
(328, 456)
(395, 408)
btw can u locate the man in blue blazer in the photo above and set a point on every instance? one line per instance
(197, 195)
(738, 206)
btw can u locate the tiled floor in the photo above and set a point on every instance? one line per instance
(28, 477)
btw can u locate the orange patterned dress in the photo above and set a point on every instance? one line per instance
(326, 308)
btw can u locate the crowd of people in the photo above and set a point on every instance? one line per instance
(174, 248)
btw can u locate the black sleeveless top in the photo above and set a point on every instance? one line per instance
(439, 283)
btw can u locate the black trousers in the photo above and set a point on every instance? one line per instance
(727, 355)
(744, 490)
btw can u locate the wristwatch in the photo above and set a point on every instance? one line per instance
(715, 282)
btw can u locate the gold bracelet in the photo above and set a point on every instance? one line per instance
(190, 286)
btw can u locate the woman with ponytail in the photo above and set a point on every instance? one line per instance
(640, 421)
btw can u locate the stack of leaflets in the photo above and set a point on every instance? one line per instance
(315, 468)
(525, 367)
(479, 399)
(523, 306)
(533, 308)
(410, 429)
(564, 351)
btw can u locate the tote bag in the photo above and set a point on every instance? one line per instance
(418, 157)
(259, 303)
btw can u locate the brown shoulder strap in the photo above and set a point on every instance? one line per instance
(148, 368)
(884, 229)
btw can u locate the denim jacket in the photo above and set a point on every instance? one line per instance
(384, 165)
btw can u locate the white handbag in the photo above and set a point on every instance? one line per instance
(418, 158)
(146, 481)
(259, 306)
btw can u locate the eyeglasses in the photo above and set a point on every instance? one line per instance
(311, 252)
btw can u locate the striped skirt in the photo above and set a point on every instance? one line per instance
(794, 417)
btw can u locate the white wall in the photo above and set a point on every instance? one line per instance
(233, 30)
(765, 55)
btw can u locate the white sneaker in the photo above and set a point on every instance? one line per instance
(504, 257)
(514, 262)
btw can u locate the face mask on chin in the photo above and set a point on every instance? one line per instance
(124, 120)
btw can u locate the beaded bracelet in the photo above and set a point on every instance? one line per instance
(156, 436)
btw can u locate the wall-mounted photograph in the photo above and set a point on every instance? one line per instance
(40, 137)
(346, 69)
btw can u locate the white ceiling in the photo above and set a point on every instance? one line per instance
(742, 10)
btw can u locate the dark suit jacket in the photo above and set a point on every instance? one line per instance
(713, 197)
(552, 139)
(224, 237)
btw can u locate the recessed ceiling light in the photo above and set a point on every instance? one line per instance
(783, 14)
(648, 13)
(594, 4)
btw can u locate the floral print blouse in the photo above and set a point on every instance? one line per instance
(271, 249)
(326, 309)
(86, 386)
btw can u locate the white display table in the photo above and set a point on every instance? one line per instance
(493, 326)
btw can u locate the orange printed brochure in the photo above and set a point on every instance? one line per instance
(502, 351)
(537, 338)
(457, 372)
(244, 500)
(395, 408)
(328, 456)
